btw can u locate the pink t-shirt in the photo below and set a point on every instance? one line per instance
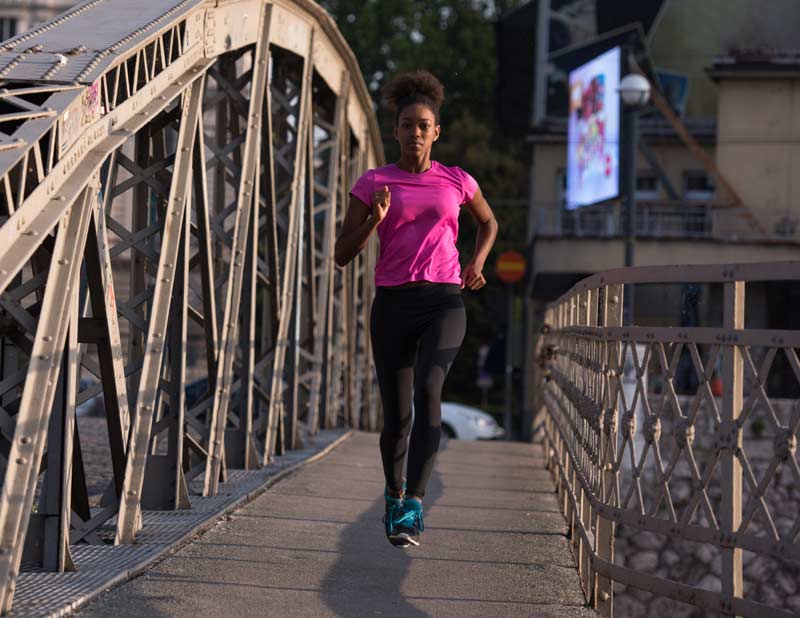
(418, 235)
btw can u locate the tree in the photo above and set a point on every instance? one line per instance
(455, 40)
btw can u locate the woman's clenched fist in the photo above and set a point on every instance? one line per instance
(380, 204)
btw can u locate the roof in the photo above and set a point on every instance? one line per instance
(760, 62)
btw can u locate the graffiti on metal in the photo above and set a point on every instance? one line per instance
(156, 247)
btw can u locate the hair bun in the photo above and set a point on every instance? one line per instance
(413, 86)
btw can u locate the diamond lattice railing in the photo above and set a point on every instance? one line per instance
(678, 440)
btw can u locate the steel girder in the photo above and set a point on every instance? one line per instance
(168, 206)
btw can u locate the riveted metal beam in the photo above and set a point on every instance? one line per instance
(16, 498)
(146, 301)
(154, 345)
(248, 193)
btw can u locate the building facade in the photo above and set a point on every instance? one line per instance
(21, 15)
(717, 178)
(717, 182)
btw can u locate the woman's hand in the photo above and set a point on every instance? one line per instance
(380, 204)
(472, 276)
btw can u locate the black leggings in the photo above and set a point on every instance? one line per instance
(416, 333)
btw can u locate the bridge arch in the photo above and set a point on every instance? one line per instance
(174, 191)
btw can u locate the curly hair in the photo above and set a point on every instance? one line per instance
(410, 88)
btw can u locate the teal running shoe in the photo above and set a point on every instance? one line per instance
(394, 507)
(409, 524)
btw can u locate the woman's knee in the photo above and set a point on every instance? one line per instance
(428, 394)
(427, 437)
(396, 429)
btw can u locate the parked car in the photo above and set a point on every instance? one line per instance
(467, 423)
(94, 406)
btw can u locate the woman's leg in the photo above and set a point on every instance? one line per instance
(438, 347)
(393, 350)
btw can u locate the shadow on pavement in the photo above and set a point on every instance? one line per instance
(384, 567)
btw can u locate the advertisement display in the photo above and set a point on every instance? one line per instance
(593, 131)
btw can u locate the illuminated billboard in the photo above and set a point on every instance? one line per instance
(593, 131)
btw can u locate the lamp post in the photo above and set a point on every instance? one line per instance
(634, 90)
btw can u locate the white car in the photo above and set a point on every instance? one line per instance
(91, 407)
(468, 423)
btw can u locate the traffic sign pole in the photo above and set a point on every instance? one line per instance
(509, 361)
(510, 267)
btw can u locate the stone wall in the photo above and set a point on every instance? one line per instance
(766, 580)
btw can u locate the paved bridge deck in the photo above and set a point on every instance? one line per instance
(313, 545)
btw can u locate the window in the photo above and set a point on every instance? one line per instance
(8, 27)
(646, 185)
(697, 185)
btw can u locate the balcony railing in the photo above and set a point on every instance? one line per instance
(653, 219)
(668, 219)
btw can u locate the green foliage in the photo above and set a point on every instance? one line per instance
(455, 40)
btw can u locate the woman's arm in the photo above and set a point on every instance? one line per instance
(358, 225)
(472, 275)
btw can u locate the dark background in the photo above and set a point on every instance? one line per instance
(456, 41)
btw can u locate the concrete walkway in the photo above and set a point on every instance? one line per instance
(313, 546)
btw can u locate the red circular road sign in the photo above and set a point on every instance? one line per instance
(510, 266)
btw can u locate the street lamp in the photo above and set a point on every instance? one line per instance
(634, 90)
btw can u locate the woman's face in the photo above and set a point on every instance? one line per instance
(416, 130)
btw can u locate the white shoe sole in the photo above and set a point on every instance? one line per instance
(404, 539)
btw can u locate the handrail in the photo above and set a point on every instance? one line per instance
(684, 469)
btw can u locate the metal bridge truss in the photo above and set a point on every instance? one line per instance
(169, 201)
(683, 468)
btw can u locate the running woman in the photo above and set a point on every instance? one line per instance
(418, 320)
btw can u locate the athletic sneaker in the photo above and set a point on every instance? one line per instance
(394, 507)
(409, 523)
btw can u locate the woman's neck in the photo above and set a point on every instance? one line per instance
(415, 165)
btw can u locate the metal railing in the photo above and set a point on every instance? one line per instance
(682, 468)
(653, 219)
(669, 220)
